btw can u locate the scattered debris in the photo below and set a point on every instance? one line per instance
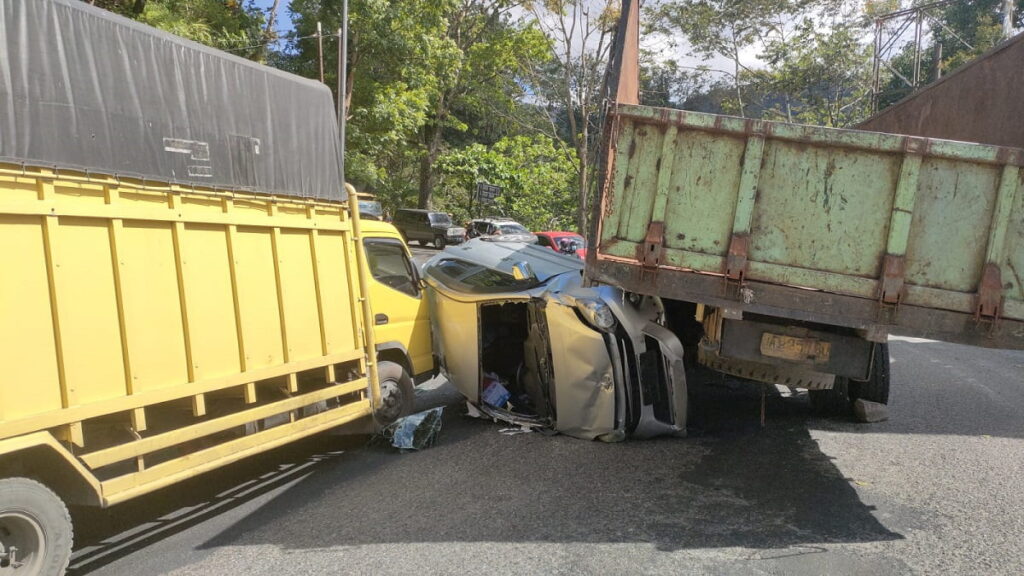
(495, 393)
(516, 431)
(867, 411)
(416, 431)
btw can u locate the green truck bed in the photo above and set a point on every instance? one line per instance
(877, 232)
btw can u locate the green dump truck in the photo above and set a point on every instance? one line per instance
(787, 254)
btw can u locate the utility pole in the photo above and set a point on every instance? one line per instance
(342, 82)
(320, 49)
(1007, 19)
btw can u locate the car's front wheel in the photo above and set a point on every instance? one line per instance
(439, 242)
(397, 394)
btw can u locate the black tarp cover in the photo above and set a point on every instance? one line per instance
(84, 89)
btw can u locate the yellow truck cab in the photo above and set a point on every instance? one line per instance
(400, 314)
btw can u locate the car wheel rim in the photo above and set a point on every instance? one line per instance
(22, 543)
(390, 401)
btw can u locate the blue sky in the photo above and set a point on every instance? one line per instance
(284, 22)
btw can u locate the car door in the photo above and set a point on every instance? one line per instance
(400, 312)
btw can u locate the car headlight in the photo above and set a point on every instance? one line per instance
(597, 313)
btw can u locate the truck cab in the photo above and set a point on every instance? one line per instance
(401, 318)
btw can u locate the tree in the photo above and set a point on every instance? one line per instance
(570, 84)
(227, 25)
(725, 29)
(538, 187)
(422, 73)
(821, 74)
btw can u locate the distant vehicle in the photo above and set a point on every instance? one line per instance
(369, 207)
(507, 228)
(569, 243)
(428, 227)
(520, 337)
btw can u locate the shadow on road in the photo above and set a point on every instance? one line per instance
(733, 485)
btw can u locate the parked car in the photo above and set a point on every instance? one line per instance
(517, 333)
(428, 227)
(507, 228)
(569, 243)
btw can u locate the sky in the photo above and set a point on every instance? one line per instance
(284, 21)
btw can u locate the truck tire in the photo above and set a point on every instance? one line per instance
(876, 387)
(439, 242)
(397, 393)
(35, 529)
(834, 401)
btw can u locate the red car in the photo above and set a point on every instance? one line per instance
(564, 243)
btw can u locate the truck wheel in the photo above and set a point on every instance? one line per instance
(834, 401)
(876, 387)
(397, 394)
(439, 242)
(35, 529)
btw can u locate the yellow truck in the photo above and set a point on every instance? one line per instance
(183, 282)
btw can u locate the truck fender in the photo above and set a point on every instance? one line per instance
(43, 450)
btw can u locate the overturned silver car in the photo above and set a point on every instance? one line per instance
(517, 333)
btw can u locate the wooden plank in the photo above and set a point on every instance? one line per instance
(903, 206)
(125, 403)
(167, 473)
(995, 252)
(177, 233)
(49, 246)
(232, 236)
(747, 193)
(52, 207)
(151, 444)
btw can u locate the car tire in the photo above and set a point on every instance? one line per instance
(834, 401)
(397, 393)
(876, 387)
(439, 242)
(36, 521)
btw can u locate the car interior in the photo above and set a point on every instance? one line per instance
(515, 361)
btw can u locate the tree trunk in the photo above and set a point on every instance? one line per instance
(427, 175)
(583, 179)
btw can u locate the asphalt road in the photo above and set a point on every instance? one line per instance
(936, 489)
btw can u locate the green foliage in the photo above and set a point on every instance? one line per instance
(821, 75)
(225, 24)
(537, 178)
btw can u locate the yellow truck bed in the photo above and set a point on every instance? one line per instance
(175, 316)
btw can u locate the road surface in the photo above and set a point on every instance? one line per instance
(936, 489)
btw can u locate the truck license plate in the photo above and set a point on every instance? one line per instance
(793, 348)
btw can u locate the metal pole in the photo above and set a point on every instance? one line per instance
(876, 66)
(320, 49)
(938, 60)
(343, 81)
(1007, 19)
(917, 49)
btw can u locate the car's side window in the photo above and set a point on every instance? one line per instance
(390, 266)
(543, 241)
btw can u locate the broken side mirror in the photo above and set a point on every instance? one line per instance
(523, 271)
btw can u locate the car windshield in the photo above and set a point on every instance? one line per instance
(513, 229)
(477, 278)
(440, 218)
(580, 242)
(482, 266)
(371, 207)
